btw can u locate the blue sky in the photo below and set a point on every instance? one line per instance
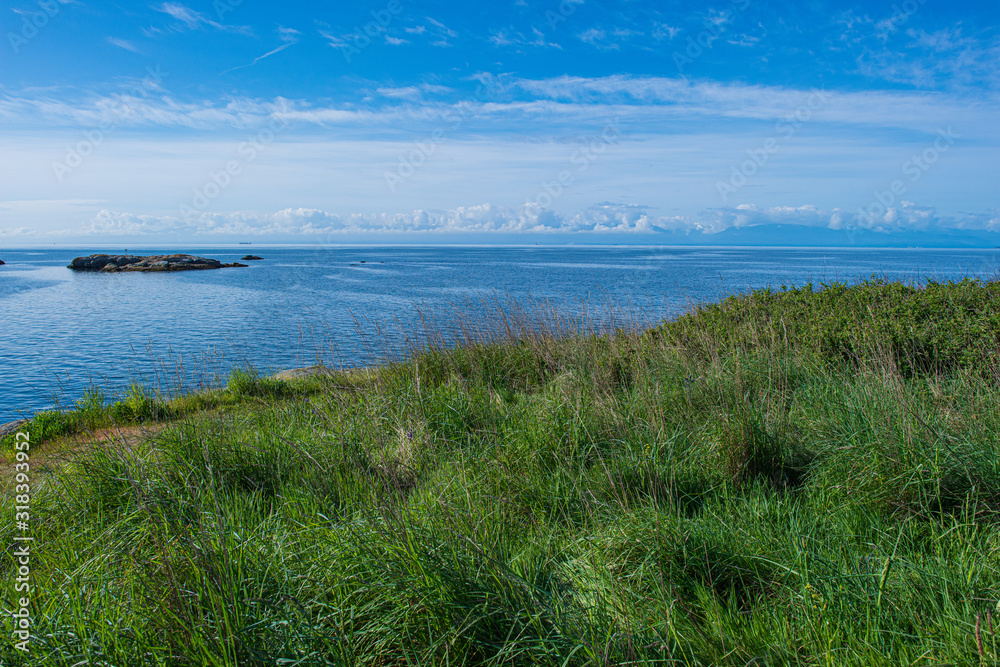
(215, 121)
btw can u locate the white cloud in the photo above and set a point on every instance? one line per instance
(598, 38)
(550, 104)
(603, 218)
(413, 93)
(288, 37)
(748, 215)
(123, 44)
(663, 31)
(193, 20)
(518, 39)
(438, 32)
(678, 140)
(185, 15)
(944, 59)
(445, 30)
(719, 18)
(910, 109)
(909, 216)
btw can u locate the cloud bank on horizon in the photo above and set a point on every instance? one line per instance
(224, 120)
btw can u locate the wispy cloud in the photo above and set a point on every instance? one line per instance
(892, 49)
(744, 40)
(135, 111)
(413, 92)
(941, 59)
(662, 31)
(442, 27)
(502, 38)
(123, 44)
(888, 108)
(440, 33)
(550, 103)
(598, 38)
(192, 20)
(288, 37)
(718, 17)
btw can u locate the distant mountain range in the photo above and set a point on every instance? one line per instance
(801, 235)
(756, 235)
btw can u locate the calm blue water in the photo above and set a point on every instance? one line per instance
(63, 331)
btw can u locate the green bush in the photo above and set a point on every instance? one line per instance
(92, 409)
(249, 384)
(138, 406)
(52, 424)
(918, 329)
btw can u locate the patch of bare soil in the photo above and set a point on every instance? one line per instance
(51, 456)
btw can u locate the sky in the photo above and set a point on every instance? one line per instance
(217, 121)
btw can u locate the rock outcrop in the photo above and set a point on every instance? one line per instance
(12, 427)
(309, 371)
(248, 258)
(116, 263)
(2, 262)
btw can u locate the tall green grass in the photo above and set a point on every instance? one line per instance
(731, 488)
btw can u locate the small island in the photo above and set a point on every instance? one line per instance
(116, 263)
(248, 258)
(2, 262)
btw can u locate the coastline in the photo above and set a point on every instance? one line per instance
(305, 372)
(694, 461)
(237, 313)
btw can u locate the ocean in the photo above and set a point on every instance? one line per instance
(65, 331)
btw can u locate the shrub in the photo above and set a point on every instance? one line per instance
(137, 407)
(918, 329)
(52, 424)
(248, 383)
(92, 409)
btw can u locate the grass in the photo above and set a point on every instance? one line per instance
(139, 405)
(804, 477)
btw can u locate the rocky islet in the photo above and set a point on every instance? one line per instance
(151, 263)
